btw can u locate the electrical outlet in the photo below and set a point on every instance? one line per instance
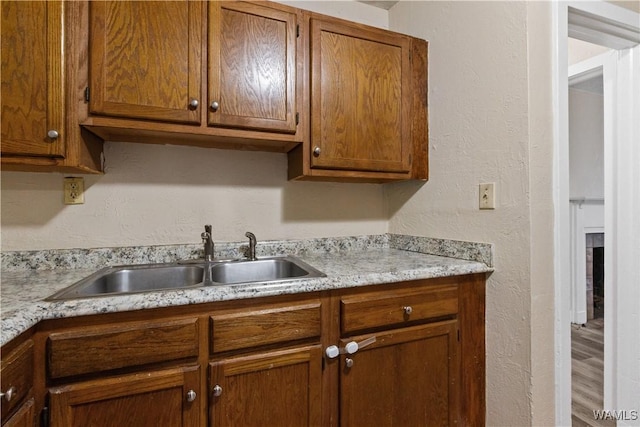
(487, 198)
(73, 191)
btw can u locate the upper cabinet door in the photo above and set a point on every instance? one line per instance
(32, 79)
(252, 67)
(360, 98)
(146, 59)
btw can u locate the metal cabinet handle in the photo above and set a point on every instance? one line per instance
(193, 104)
(8, 395)
(215, 105)
(53, 134)
(407, 310)
(217, 390)
(191, 396)
(348, 362)
(316, 151)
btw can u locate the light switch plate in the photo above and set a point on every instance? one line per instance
(487, 199)
(73, 191)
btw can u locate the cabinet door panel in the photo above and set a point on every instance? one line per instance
(360, 98)
(408, 377)
(147, 399)
(16, 372)
(252, 67)
(281, 387)
(25, 416)
(32, 78)
(146, 59)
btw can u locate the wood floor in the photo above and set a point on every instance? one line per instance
(587, 355)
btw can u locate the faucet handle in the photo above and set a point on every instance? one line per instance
(206, 234)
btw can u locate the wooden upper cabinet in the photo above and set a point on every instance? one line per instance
(146, 60)
(32, 79)
(361, 98)
(252, 66)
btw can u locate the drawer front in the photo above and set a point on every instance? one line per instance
(389, 308)
(103, 348)
(16, 375)
(270, 325)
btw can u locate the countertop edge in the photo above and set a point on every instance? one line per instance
(22, 320)
(348, 262)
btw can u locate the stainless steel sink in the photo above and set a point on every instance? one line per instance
(134, 279)
(153, 277)
(262, 270)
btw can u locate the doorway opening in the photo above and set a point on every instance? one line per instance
(619, 29)
(587, 205)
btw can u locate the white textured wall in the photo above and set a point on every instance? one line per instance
(487, 126)
(627, 4)
(165, 194)
(586, 144)
(580, 50)
(153, 194)
(345, 9)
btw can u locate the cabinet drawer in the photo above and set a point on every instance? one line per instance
(268, 325)
(103, 348)
(16, 375)
(377, 309)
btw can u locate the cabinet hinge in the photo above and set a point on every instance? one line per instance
(86, 94)
(297, 30)
(44, 417)
(297, 118)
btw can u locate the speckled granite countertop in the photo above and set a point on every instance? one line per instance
(347, 262)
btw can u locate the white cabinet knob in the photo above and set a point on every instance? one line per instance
(351, 347)
(332, 351)
(217, 390)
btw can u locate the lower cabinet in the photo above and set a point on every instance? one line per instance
(155, 398)
(407, 377)
(279, 387)
(25, 416)
(409, 353)
(16, 383)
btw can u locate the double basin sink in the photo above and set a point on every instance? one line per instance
(153, 277)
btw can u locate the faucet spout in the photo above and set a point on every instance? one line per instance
(252, 245)
(207, 239)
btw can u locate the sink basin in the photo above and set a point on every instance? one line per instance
(262, 270)
(134, 279)
(131, 279)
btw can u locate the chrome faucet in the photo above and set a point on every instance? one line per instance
(207, 239)
(252, 245)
